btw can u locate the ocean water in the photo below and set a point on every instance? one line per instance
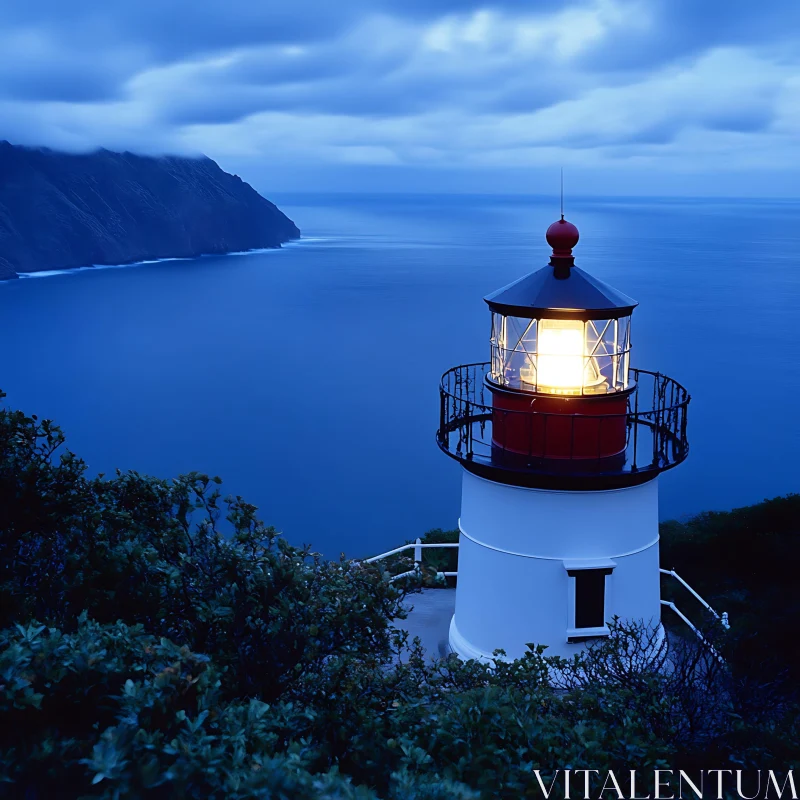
(307, 378)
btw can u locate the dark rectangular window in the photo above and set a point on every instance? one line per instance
(590, 597)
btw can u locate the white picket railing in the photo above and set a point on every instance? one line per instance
(417, 548)
(418, 545)
(723, 618)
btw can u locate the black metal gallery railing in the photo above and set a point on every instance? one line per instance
(652, 428)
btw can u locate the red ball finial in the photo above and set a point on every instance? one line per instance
(562, 236)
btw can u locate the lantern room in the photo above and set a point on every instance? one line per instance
(559, 331)
(560, 346)
(569, 357)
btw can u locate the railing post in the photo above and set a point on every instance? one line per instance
(657, 405)
(635, 420)
(443, 418)
(418, 554)
(468, 430)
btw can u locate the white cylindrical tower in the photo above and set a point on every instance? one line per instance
(561, 444)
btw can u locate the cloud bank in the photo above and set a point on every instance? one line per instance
(658, 86)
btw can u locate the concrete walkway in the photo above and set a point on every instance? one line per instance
(429, 619)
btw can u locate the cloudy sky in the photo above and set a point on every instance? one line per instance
(629, 96)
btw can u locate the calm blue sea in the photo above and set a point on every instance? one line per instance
(307, 377)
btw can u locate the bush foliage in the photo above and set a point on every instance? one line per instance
(159, 641)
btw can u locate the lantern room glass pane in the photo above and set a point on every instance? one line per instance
(552, 356)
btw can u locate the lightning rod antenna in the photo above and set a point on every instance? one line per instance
(562, 192)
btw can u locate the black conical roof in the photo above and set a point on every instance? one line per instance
(560, 293)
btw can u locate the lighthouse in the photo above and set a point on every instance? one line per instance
(561, 441)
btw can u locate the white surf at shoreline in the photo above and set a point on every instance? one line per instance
(49, 273)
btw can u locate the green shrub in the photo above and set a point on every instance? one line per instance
(110, 711)
(150, 551)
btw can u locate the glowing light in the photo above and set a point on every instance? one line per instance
(560, 362)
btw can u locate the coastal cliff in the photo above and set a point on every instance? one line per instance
(61, 210)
